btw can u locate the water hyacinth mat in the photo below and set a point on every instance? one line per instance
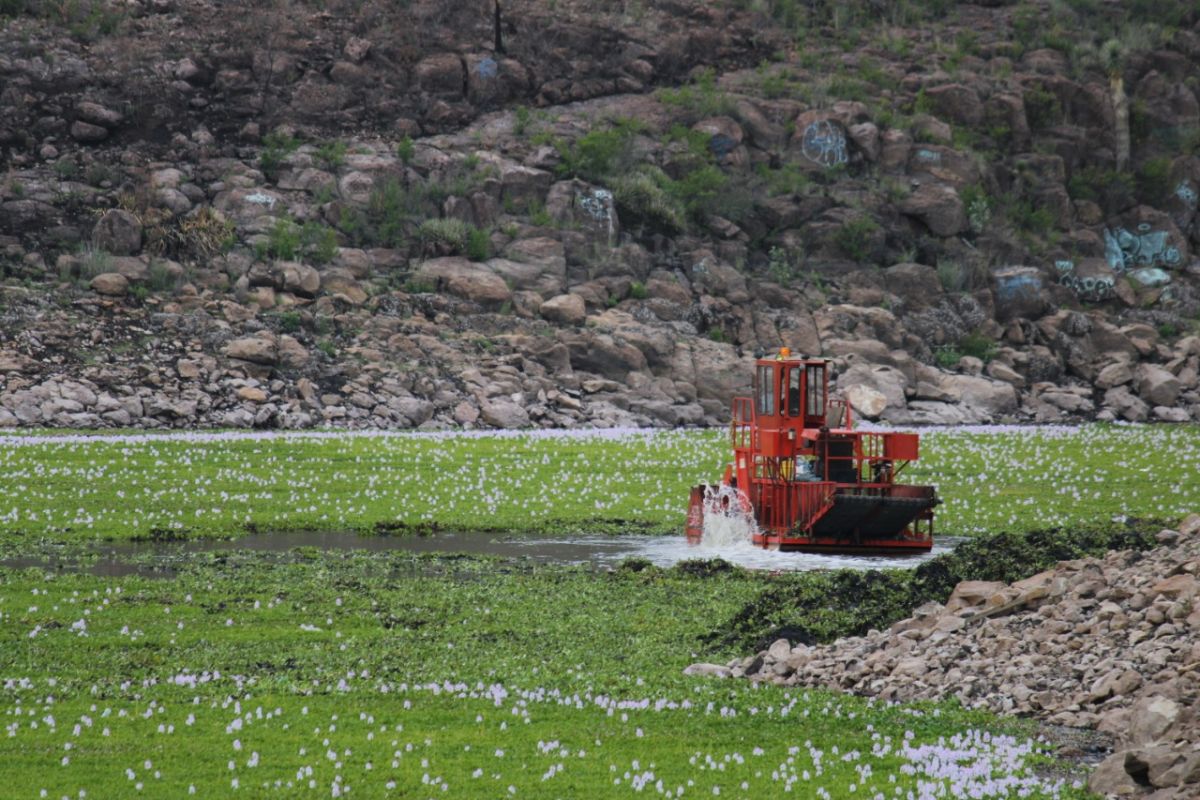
(993, 479)
(395, 675)
(332, 677)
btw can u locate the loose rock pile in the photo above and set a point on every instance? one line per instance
(1106, 643)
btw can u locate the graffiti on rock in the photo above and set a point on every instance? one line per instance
(824, 143)
(260, 199)
(1150, 277)
(929, 156)
(598, 204)
(1126, 251)
(721, 145)
(1186, 193)
(1093, 289)
(487, 68)
(1014, 287)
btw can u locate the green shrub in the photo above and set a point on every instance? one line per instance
(160, 278)
(978, 206)
(289, 321)
(456, 236)
(1102, 185)
(405, 149)
(1043, 109)
(1028, 219)
(1027, 23)
(593, 156)
(521, 118)
(700, 190)
(287, 241)
(702, 97)
(65, 169)
(854, 238)
(446, 231)
(775, 84)
(843, 87)
(276, 148)
(415, 286)
(950, 275)
(93, 262)
(1153, 181)
(283, 241)
(787, 179)
(479, 244)
(318, 242)
(921, 103)
(783, 267)
(641, 198)
(388, 210)
(977, 345)
(332, 154)
(946, 356)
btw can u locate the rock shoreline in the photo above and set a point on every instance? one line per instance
(599, 226)
(1110, 644)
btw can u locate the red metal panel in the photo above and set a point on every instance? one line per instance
(900, 446)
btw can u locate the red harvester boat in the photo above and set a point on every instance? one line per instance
(806, 479)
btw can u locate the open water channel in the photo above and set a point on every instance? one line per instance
(600, 551)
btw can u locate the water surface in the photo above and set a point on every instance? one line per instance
(602, 551)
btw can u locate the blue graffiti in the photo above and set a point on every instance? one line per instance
(722, 145)
(929, 156)
(824, 143)
(1150, 277)
(1186, 193)
(598, 203)
(1147, 248)
(1093, 289)
(1014, 286)
(487, 68)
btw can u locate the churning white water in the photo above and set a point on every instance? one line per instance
(726, 525)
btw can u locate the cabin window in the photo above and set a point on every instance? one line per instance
(793, 391)
(816, 391)
(766, 391)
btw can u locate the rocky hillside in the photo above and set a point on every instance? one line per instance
(583, 212)
(1107, 644)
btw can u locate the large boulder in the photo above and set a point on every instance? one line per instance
(957, 103)
(867, 382)
(916, 284)
(538, 265)
(441, 74)
(466, 279)
(938, 206)
(501, 412)
(298, 278)
(993, 398)
(1019, 292)
(565, 309)
(1157, 386)
(118, 232)
(111, 284)
(865, 401)
(1122, 403)
(260, 348)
